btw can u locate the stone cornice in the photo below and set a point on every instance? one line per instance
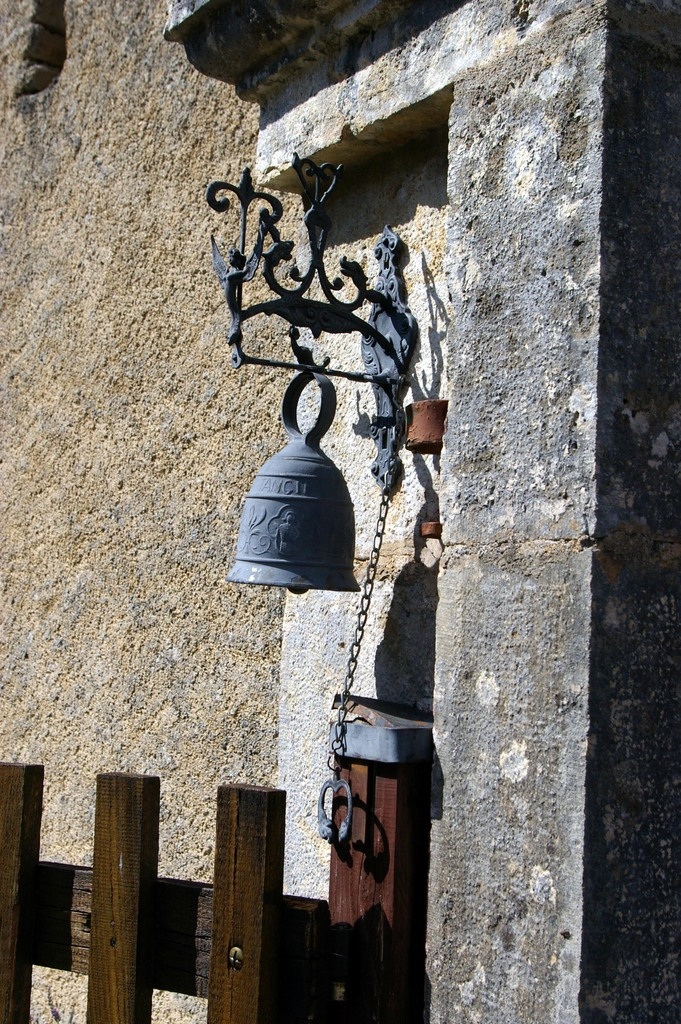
(251, 43)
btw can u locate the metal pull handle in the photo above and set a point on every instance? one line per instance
(325, 824)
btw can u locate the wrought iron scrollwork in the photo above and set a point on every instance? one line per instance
(388, 333)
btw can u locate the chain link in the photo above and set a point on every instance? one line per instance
(338, 745)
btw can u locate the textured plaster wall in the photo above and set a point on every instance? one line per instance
(126, 442)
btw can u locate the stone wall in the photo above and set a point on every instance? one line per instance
(632, 903)
(527, 154)
(551, 887)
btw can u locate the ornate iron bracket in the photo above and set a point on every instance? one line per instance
(389, 332)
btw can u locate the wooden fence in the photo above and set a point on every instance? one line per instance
(256, 955)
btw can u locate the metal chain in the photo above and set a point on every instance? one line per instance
(338, 744)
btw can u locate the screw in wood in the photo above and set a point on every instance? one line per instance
(236, 958)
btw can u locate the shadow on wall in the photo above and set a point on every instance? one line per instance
(438, 322)
(397, 193)
(405, 658)
(631, 928)
(381, 192)
(404, 664)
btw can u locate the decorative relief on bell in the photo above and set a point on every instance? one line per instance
(278, 535)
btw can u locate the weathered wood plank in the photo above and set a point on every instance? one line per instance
(21, 794)
(125, 866)
(247, 895)
(65, 886)
(412, 822)
(305, 925)
(304, 960)
(63, 904)
(184, 917)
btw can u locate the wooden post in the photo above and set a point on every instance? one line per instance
(21, 798)
(378, 885)
(247, 894)
(125, 867)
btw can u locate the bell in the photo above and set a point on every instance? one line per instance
(298, 524)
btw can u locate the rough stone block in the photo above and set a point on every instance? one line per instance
(511, 691)
(391, 87)
(632, 899)
(524, 186)
(246, 44)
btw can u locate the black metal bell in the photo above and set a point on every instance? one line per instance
(298, 524)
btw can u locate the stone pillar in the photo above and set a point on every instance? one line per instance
(552, 892)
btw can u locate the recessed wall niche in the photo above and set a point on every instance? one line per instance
(44, 50)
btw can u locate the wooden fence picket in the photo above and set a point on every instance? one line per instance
(21, 797)
(248, 881)
(124, 872)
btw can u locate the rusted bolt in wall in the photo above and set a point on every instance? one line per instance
(426, 426)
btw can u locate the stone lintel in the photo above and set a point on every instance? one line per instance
(420, 121)
(393, 86)
(347, 82)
